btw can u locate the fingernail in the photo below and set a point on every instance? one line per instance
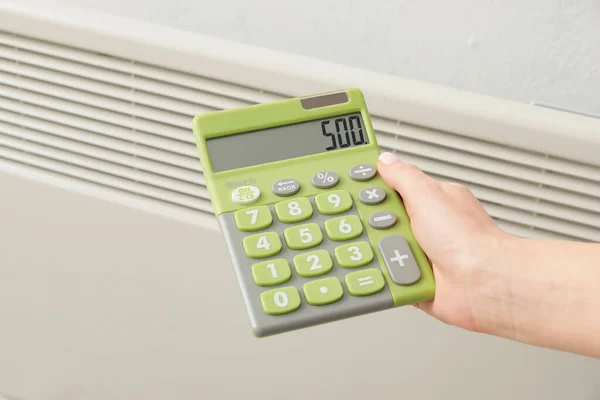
(389, 158)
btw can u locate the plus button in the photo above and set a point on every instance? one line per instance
(399, 258)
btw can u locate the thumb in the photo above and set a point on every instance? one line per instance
(413, 184)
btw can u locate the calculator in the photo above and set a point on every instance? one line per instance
(313, 233)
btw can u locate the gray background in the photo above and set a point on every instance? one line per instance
(524, 50)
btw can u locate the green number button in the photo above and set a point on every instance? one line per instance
(334, 202)
(343, 228)
(354, 255)
(312, 264)
(272, 272)
(253, 219)
(294, 210)
(303, 236)
(323, 291)
(280, 301)
(365, 282)
(262, 245)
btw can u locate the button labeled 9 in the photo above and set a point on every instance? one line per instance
(334, 202)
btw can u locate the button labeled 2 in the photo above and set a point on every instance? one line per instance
(262, 245)
(312, 264)
(294, 210)
(343, 228)
(272, 272)
(334, 202)
(354, 255)
(253, 219)
(303, 236)
(280, 301)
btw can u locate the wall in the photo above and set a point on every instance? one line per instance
(532, 50)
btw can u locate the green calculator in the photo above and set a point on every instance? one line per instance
(313, 233)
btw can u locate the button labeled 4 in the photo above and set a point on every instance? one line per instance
(303, 236)
(262, 245)
(253, 219)
(334, 202)
(354, 255)
(343, 228)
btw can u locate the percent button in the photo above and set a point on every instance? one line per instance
(325, 179)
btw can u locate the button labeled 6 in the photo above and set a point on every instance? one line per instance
(343, 228)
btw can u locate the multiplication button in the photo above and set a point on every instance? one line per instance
(399, 260)
(372, 196)
(363, 172)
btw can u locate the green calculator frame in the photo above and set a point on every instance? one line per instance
(313, 233)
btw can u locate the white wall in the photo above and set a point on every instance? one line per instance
(524, 50)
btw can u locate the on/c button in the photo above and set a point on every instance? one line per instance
(245, 194)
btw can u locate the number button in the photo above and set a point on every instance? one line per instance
(280, 301)
(313, 264)
(323, 291)
(272, 272)
(354, 255)
(334, 202)
(262, 245)
(303, 236)
(294, 210)
(366, 282)
(253, 219)
(343, 228)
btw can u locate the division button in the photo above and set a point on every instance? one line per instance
(382, 220)
(363, 172)
(399, 260)
(325, 179)
(286, 187)
(372, 196)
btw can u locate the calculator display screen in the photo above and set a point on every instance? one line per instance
(285, 142)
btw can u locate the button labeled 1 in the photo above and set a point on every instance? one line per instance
(272, 272)
(399, 260)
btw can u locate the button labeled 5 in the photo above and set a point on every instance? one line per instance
(253, 219)
(262, 245)
(313, 264)
(334, 202)
(303, 236)
(272, 272)
(354, 255)
(294, 210)
(343, 228)
(280, 301)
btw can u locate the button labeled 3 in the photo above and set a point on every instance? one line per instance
(365, 282)
(245, 194)
(399, 260)
(280, 301)
(253, 219)
(354, 255)
(262, 245)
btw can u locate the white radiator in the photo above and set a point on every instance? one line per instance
(103, 106)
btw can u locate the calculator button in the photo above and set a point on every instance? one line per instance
(312, 264)
(366, 282)
(286, 187)
(323, 291)
(363, 172)
(399, 260)
(294, 210)
(262, 245)
(343, 228)
(245, 194)
(303, 236)
(382, 220)
(334, 202)
(253, 219)
(272, 272)
(280, 301)
(372, 196)
(325, 179)
(354, 255)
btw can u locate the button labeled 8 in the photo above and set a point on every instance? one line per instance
(294, 210)
(334, 202)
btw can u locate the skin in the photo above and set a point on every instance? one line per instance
(540, 292)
